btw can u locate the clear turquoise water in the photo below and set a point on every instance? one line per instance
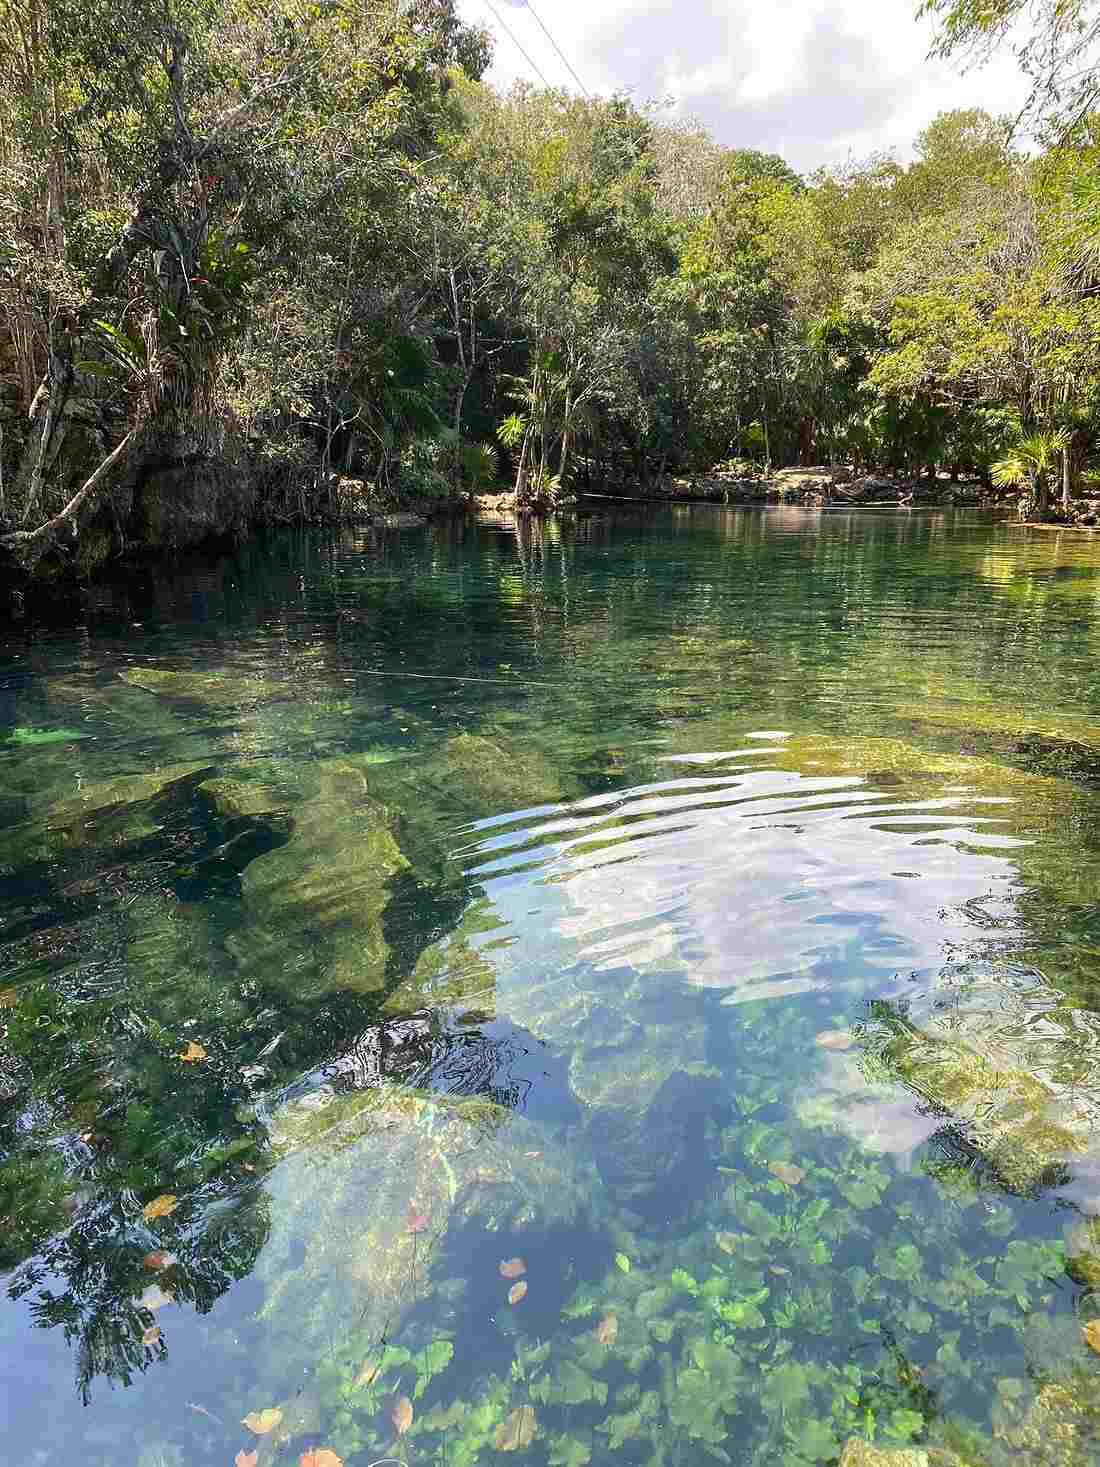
(694, 912)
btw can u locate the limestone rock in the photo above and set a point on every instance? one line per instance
(313, 908)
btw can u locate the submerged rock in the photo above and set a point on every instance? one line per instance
(367, 1191)
(313, 908)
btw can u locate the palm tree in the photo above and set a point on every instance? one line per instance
(1031, 462)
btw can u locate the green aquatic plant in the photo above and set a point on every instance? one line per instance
(29, 738)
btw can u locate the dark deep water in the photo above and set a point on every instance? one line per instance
(692, 916)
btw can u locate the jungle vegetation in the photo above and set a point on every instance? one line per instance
(276, 261)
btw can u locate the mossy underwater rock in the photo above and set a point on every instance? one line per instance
(313, 909)
(108, 812)
(858, 1453)
(371, 1184)
(226, 688)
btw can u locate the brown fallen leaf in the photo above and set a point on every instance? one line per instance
(368, 1373)
(1091, 1332)
(835, 1039)
(517, 1292)
(157, 1260)
(787, 1172)
(261, 1422)
(9, 997)
(512, 1268)
(607, 1329)
(518, 1430)
(150, 1336)
(416, 1221)
(194, 1054)
(162, 1206)
(320, 1457)
(727, 1242)
(402, 1415)
(246, 1459)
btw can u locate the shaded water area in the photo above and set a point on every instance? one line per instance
(624, 990)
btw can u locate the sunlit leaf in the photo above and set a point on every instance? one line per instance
(193, 1054)
(262, 1422)
(518, 1430)
(1091, 1332)
(607, 1329)
(154, 1298)
(320, 1457)
(246, 1459)
(517, 1292)
(622, 1262)
(157, 1260)
(727, 1241)
(787, 1172)
(162, 1206)
(150, 1336)
(512, 1268)
(402, 1415)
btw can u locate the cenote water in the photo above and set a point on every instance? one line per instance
(625, 990)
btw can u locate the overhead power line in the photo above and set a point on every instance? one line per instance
(507, 30)
(561, 54)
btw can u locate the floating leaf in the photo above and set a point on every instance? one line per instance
(622, 1262)
(727, 1242)
(151, 1335)
(1091, 1333)
(517, 1292)
(518, 1430)
(607, 1329)
(155, 1298)
(787, 1172)
(246, 1459)
(162, 1206)
(512, 1268)
(835, 1039)
(157, 1260)
(402, 1416)
(261, 1422)
(320, 1457)
(193, 1054)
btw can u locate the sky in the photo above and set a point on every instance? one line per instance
(817, 81)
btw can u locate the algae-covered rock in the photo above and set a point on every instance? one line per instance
(369, 1187)
(313, 908)
(858, 1453)
(225, 688)
(236, 799)
(108, 812)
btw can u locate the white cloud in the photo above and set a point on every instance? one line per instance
(815, 80)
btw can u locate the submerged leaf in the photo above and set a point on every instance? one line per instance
(518, 1430)
(511, 1268)
(835, 1039)
(162, 1206)
(622, 1262)
(261, 1422)
(787, 1172)
(402, 1415)
(727, 1241)
(517, 1292)
(151, 1335)
(607, 1329)
(368, 1373)
(1091, 1332)
(320, 1457)
(193, 1054)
